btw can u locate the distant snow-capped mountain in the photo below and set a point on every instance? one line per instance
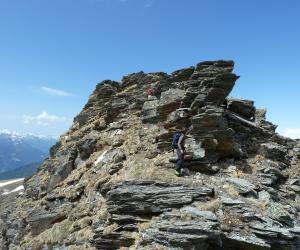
(17, 136)
(18, 149)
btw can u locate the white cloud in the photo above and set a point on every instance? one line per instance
(293, 133)
(55, 92)
(43, 119)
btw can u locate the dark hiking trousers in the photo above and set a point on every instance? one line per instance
(180, 158)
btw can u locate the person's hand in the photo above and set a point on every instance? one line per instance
(182, 151)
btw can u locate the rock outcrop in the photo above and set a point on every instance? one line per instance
(109, 182)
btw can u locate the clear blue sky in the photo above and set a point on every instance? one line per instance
(53, 52)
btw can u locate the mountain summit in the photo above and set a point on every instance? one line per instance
(110, 181)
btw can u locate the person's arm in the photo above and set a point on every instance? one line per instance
(179, 143)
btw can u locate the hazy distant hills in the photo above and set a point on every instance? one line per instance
(20, 172)
(17, 150)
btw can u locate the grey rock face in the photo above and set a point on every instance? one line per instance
(264, 196)
(276, 237)
(245, 108)
(111, 241)
(195, 213)
(88, 145)
(40, 220)
(170, 100)
(277, 212)
(149, 111)
(231, 202)
(217, 66)
(194, 234)
(178, 117)
(244, 187)
(66, 161)
(260, 115)
(182, 74)
(150, 198)
(236, 241)
(274, 151)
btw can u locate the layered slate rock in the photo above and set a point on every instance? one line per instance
(150, 198)
(39, 220)
(201, 231)
(245, 108)
(274, 151)
(244, 187)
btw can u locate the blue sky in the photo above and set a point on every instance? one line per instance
(54, 52)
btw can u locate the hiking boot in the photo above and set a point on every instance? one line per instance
(185, 172)
(177, 173)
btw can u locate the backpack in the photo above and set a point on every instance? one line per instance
(175, 140)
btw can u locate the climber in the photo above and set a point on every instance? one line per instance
(150, 92)
(179, 144)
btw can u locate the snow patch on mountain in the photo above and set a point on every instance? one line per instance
(17, 189)
(17, 136)
(5, 183)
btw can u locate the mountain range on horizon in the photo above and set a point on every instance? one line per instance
(17, 149)
(18, 135)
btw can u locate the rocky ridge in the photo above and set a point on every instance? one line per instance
(109, 182)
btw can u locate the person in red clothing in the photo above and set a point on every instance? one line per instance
(150, 92)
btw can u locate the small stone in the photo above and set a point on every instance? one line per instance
(244, 187)
(215, 169)
(264, 196)
(231, 202)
